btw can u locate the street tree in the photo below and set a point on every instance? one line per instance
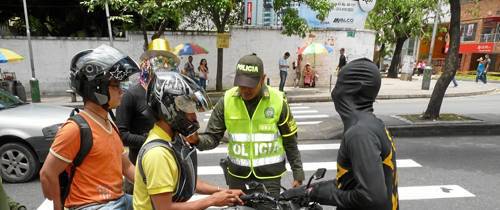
(396, 21)
(143, 14)
(450, 66)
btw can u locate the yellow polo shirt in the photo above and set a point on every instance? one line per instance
(160, 169)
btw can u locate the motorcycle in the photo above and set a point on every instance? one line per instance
(261, 196)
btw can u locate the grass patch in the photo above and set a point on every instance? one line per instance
(446, 117)
(471, 76)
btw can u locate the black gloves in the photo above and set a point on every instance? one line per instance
(294, 193)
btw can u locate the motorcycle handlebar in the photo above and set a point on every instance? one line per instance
(257, 197)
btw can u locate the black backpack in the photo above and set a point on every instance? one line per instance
(86, 142)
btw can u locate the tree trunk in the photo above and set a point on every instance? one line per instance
(160, 31)
(450, 66)
(144, 34)
(220, 60)
(380, 56)
(396, 58)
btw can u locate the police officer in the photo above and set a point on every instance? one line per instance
(262, 131)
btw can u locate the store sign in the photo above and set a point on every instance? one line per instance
(477, 48)
(350, 14)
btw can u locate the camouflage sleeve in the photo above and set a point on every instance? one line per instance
(215, 128)
(288, 129)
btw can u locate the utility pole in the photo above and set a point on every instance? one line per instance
(34, 85)
(434, 31)
(110, 31)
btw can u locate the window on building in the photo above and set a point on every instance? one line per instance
(468, 31)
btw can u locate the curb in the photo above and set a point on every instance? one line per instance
(301, 99)
(426, 130)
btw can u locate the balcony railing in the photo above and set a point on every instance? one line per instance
(490, 37)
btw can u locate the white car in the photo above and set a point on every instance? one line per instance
(23, 146)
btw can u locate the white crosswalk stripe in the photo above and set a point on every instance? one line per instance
(304, 115)
(313, 166)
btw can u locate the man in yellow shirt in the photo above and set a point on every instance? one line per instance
(166, 166)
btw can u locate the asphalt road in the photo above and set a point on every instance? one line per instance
(464, 169)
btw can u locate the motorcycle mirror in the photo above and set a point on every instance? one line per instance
(320, 173)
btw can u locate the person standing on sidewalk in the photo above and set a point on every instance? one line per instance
(255, 116)
(283, 66)
(342, 60)
(166, 176)
(366, 161)
(189, 69)
(203, 71)
(96, 75)
(132, 118)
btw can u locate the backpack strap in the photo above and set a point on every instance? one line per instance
(86, 143)
(145, 148)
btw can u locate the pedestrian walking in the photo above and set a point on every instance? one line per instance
(487, 62)
(283, 66)
(255, 116)
(132, 116)
(366, 161)
(203, 71)
(480, 73)
(95, 75)
(165, 176)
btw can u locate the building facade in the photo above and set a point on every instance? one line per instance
(480, 33)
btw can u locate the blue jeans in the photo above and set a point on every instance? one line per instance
(481, 76)
(122, 203)
(283, 75)
(454, 82)
(203, 83)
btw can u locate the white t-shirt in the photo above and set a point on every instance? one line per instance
(283, 62)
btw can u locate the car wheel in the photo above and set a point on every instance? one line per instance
(17, 163)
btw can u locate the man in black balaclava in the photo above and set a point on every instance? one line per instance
(366, 161)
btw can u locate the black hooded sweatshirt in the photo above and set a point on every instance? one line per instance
(366, 161)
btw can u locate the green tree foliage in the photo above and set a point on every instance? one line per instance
(396, 21)
(51, 18)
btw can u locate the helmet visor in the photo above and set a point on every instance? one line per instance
(122, 69)
(197, 102)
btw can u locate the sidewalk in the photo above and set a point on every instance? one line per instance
(394, 89)
(332, 128)
(391, 89)
(483, 124)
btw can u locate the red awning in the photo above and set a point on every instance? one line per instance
(491, 19)
(477, 48)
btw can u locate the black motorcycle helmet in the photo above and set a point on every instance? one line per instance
(171, 95)
(92, 70)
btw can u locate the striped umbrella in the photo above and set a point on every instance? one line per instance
(189, 49)
(315, 48)
(9, 56)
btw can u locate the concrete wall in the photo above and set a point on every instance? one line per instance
(52, 56)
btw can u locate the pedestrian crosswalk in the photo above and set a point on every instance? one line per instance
(209, 170)
(304, 115)
(315, 159)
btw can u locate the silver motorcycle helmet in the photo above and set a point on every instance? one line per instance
(171, 96)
